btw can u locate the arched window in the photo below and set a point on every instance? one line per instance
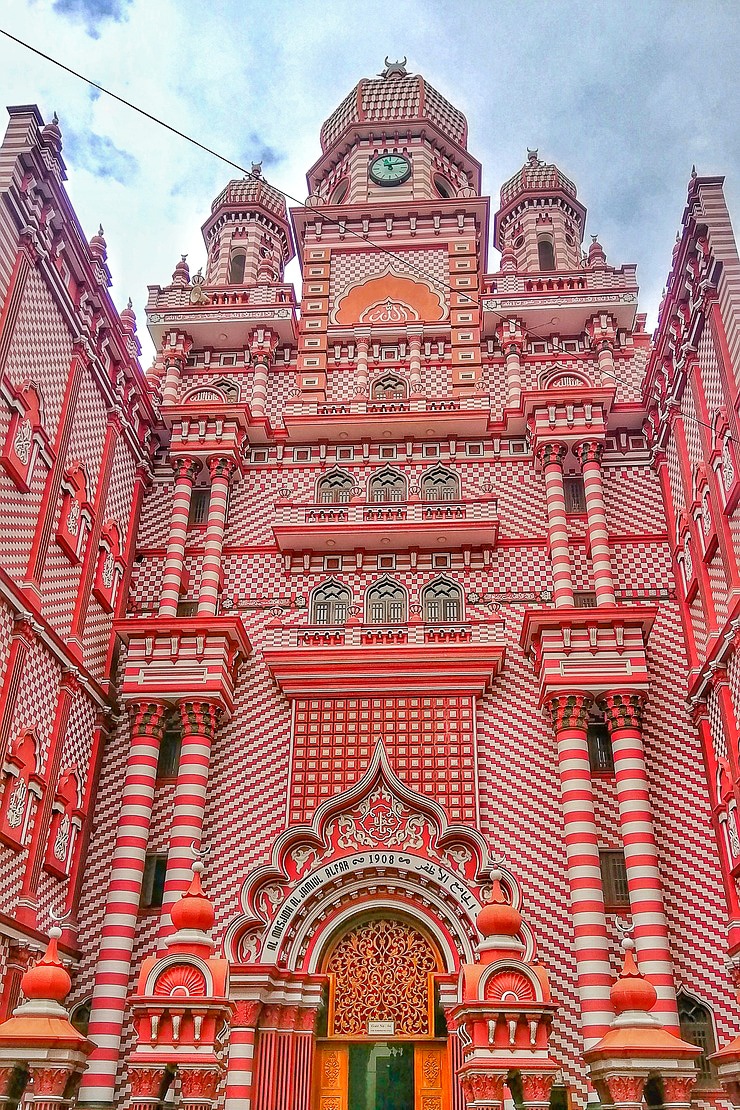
(229, 390)
(388, 485)
(443, 187)
(26, 439)
(21, 788)
(110, 566)
(697, 1027)
(440, 484)
(79, 1016)
(340, 192)
(386, 603)
(330, 603)
(389, 388)
(442, 601)
(237, 263)
(335, 488)
(546, 253)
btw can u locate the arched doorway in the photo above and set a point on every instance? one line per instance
(385, 1046)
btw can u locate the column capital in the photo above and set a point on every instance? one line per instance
(146, 1082)
(185, 468)
(591, 450)
(198, 1084)
(569, 711)
(625, 1090)
(536, 1087)
(623, 710)
(148, 718)
(49, 1082)
(246, 1013)
(222, 466)
(199, 718)
(552, 454)
(677, 1089)
(484, 1087)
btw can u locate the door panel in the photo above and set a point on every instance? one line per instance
(331, 1071)
(430, 1079)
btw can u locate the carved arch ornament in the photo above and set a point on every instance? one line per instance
(377, 833)
(388, 299)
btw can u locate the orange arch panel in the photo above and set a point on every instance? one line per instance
(426, 305)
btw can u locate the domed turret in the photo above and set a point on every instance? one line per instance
(247, 235)
(52, 134)
(194, 910)
(128, 318)
(98, 246)
(47, 979)
(631, 991)
(181, 273)
(393, 135)
(540, 218)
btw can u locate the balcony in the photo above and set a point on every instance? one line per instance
(564, 301)
(386, 525)
(226, 317)
(172, 658)
(461, 657)
(309, 421)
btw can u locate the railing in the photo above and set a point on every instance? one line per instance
(387, 635)
(362, 406)
(368, 512)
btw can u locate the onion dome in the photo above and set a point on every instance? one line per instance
(251, 190)
(128, 318)
(498, 917)
(98, 246)
(631, 991)
(52, 134)
(181, 273)
(596, 255)
(48, 978)
(394, 96)
(194, 911)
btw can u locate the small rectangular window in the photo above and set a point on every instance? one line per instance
(152, 886)
(386, 562)
(301, 454)
(475, 449)
(345, 454)
(200, 500)
(332, 562)
(614, 879)
(584, 599)
(440, 562)
(600, 751)
(259, 455)
(169, 750)
(187, 608)
(430, 451)
(387, 452)
(575, 494)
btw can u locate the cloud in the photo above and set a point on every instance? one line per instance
(93, 13)
(100, 156)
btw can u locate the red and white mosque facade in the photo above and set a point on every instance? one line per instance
(404, 618)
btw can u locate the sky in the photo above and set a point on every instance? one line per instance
(624, 95)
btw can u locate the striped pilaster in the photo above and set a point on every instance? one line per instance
(415, 336)
(363, 346)
(199, 721)
(259, 388)
(513, 376)
(570, 716)
(124, 894)
(240, 1075)
(552, 455)
(304, 1055)
(623, 713)
(186, 470)
(606, 363)
(221, 470)
(589, 455)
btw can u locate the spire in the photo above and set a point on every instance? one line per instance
(393, 69)
(98, 246)
(193, 916)
(632, 992)
(181, 273)
(596, 255)
(499, 922)
(52, 134)
(128, 318)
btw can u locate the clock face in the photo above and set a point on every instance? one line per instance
(390, 169)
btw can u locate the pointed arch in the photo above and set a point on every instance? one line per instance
(388, 484)
(442, 601)
(334, 488)
(389, 387)
(386, 602)
(330, 603)
(696, 1021)
(440, 484)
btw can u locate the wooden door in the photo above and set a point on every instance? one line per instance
(430, 1077)
(331, 1069)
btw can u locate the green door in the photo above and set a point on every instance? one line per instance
(381, 1076)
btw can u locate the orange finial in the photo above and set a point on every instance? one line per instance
(48, 978)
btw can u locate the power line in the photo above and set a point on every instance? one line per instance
(329, 219)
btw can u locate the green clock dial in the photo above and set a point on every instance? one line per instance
(390, 169)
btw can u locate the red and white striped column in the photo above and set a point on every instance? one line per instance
(623, 714)
(361, 373)
(415, 336)
(570, 717)
(589, 455)
(551, 456)
(186, 470)
(242, 1037)
(124, 894)
(222, 468)
(199, 722)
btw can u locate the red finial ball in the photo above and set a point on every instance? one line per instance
(47, 979)
(631, 991)
(194, 910)
(498, 917)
